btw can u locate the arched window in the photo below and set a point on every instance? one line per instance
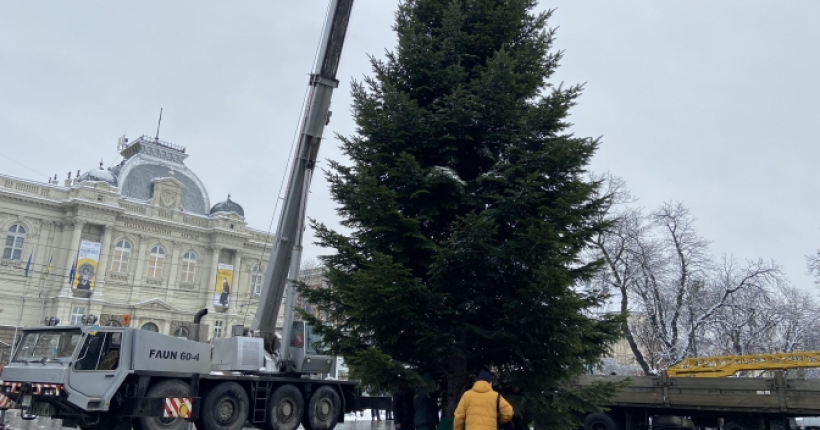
(155, 261)
(188, 266)
(181, 332)
(15, 240)
(122, 255)
(256, 280)
(150, 327)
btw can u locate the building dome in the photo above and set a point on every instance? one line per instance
(228, 206)
(147, 159)
(98, 175)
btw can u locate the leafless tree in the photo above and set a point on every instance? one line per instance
(751, 319)
(744, 325)
(615, 247)
(799, 321)
(665, 278)
(813, 264)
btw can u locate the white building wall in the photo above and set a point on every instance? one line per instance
(57, 218)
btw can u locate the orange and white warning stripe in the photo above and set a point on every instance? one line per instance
(37, 389)
(177, 407)
(5, 403)
(14, 387)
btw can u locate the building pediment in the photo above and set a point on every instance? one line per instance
(167, 193)
(168, 182)
(155, 304)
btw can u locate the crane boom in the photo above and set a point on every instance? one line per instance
(714, 367)
(286, 254)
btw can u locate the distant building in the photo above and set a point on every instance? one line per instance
(313, 276)
(139, 239)
(620, 355)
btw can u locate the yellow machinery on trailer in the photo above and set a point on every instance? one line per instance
(729, 365)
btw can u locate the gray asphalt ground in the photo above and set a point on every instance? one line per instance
(14, 422)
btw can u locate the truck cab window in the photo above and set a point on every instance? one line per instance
(100, 352)
(47, 345)
(297, 335)
(313, 342)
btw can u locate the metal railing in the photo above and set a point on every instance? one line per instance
(158, 142)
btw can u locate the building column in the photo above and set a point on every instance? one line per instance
(173, 275)
(73, 249)
(237, 267)
(139, 270)
(43, 249)
(105, 253)
(50, 230)
(211, 280)
(61, 240)
(176, 262)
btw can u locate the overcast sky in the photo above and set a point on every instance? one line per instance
(711, 103)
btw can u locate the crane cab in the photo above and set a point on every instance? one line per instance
(305, 350)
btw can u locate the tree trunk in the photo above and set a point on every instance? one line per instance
(628, 333)
(456, 380)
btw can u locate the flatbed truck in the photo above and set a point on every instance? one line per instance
(663, 402)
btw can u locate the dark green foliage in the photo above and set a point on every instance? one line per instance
(468, 209)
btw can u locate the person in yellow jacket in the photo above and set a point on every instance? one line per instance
(481, 408)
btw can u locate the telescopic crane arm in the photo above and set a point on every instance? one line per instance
(286, 254)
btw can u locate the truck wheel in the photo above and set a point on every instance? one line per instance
(167, 388)
(600, 421)
(323, 410)
(225, 407)
(285, 409)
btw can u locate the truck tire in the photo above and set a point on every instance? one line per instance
(600, 421)
(285, 410)
(166, 388)
(323, 409)
(225, 407)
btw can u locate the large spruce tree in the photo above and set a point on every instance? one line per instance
(468, 208)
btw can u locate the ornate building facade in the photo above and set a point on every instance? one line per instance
(139, 239)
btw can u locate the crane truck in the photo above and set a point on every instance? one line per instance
(119, 377)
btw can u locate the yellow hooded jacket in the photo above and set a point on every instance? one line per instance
(479, 408)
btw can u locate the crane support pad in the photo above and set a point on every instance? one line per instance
(186, 408)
